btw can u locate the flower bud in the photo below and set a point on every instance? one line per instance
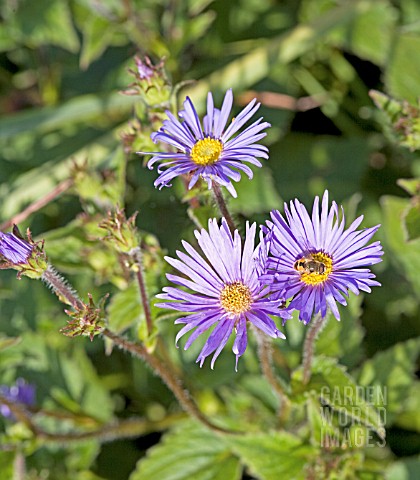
(121, 232)
(150, 82)
(25, 256)
(87, 320)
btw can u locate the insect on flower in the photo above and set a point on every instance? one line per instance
(315, 260)
(309, 264)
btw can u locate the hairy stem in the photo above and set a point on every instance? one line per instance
(64, 291)
(61, 288)
(266, 361)
(169, 377)
(19, 466)
(314, 328)
(218, 195)
(137, 256)
(129, 428)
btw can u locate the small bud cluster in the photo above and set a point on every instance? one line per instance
(97, 188)
(121, 232)
(129, 136)
(404, 119)
(87, 320)
(150, 83)
(147, 76)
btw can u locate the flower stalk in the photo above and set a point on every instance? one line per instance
(218, 195)
(168, 377)
(122, 235)
(61, 288)
(129, 428)
(265, 355)
(136, 255)
(314, 329)
(69, 296)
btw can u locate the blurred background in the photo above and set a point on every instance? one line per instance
(66, 129)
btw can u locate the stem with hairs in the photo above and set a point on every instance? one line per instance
(266, 360)
(137, 257)
(168, 377)
(218, 195)
(314, 329)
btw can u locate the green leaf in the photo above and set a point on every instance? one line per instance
(274, 455)
(104, 192)
(7, 463)
(190, 452)
(404, 255)
(242, 73)
(97, 36)
(33, 184)
(125, 309)
(392, 373)
(320, 429)
(76, 110)
(405, 469)
(7, 41)
(343, 339)
(391, 107)
(10, 358)
(339, 390)
(195, 28)
(81, 456)
(371, 34)
(402, 73)
(201, 215)
(102, 26)
(410, 185)
(246, 399)
(45, 22)
(63, 246)
(84, 392)
(302, 163)
(84, 475)
(258, 195)
(76, 384)
(409, 417)
(368, 35)
(412, 222)
(7, 342)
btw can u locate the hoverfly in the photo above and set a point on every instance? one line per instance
(308, 264)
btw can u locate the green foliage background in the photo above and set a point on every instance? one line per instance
(63, 64)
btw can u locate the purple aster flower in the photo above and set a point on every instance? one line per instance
(227, 292)
(315, 260)
(14, 249)
(211, 150)
(21, 392)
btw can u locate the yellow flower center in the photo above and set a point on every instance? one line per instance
(206, 151)
(314, 268)
(236, 298)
